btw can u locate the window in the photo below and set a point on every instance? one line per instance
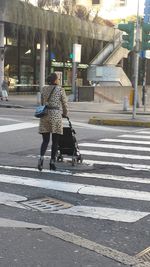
(95, 2)
(122, 2)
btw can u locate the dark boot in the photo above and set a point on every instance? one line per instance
(40, 164)
(52, 165)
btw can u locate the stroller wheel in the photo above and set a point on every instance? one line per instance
(79, 159)
(73, 161)
(60, 158)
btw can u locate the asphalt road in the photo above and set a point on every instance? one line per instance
(106, 199)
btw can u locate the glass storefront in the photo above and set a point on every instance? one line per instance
(22, 65)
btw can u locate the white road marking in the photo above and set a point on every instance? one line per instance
(11, 199)
(144, 132)
(113, 155)
(104, 213)
(84, 189)
(135, 136)
(139, 167)
(8, 223)
(85, 175)
(113, 177)
(17, 126)
(66, 172)
(6, 197)
(137, 148)
(9, 119)
(125, 141)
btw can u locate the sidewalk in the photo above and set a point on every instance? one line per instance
(99, 113)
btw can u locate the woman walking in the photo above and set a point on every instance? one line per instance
(55, 98)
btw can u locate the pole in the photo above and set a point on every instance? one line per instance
(136, 62)
(1, 55)
(75, 61)
(74, 78)
(144, 83)
(42, 59)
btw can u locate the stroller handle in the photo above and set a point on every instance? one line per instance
(70, 124)
(65, 117)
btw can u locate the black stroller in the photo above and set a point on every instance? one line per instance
(68, 145)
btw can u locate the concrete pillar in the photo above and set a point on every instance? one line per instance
(42, 59)
(101, 45)
(1, 54)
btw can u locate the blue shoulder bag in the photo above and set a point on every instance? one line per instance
(42, 110)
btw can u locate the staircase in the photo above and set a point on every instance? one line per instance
(109, 57)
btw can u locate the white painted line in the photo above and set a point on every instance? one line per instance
(113, 177)
(11, 199)
(104, 213)
(125, 141)
(113, 155)
(35, 169)
(6, 197)
(84, 189)
(135, 136)
(85, 175)
(17, 126)
(137, 148)
(139, 167)
(18, 224)
(115, 192)
(9, 119)
(144, 132)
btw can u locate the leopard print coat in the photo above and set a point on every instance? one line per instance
(57, 105)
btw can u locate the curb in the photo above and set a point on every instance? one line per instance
(97, 121)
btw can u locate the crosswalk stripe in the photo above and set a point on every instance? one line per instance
(125, 141)
(114, 155)
(83, 189)
(135, 136)
(7, 197)
(9, 119)
(144, 132)
(115, 147)
(62, 172)
(16, 126)
(104, 213)
(133, 166)
(85, 175)
(11, 199)
(114, 177)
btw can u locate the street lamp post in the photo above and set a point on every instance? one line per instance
(1, 55)
(136, 62)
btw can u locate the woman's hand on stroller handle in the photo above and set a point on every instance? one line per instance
(65, 116)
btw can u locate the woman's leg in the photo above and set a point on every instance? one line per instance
(44, 145)
(55, 141)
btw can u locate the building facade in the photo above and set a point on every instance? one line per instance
(26, 55)
(98, 4)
